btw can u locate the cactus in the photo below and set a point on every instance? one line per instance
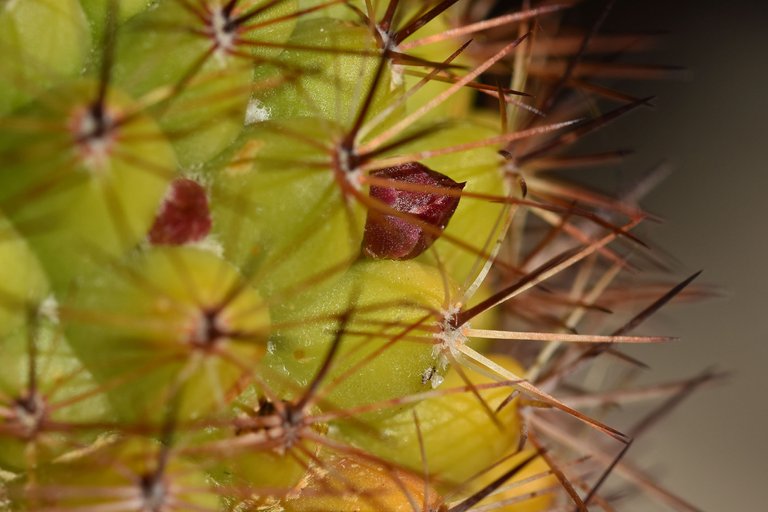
(273, 255)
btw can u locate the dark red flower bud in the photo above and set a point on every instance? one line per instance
(397, 238)
(184, 216)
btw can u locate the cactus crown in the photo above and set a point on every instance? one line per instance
(272, 254)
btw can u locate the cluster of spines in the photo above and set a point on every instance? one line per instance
(254, 249)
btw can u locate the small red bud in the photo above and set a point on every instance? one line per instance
(395, 238)
(184, 216)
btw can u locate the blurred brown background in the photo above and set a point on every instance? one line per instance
(712, 127)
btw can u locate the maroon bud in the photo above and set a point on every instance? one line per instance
(184, 216)
(397, 238)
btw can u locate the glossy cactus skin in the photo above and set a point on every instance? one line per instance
(252, 253)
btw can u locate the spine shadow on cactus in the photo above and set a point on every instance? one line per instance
(256, 249)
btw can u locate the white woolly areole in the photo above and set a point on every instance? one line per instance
(354, 176)
(388, 43)
(257, 112)
(30, 418)
(155, 495)
(49, 309)
(200, 327)
(450, 339)
(225, 39)
(94, 149)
